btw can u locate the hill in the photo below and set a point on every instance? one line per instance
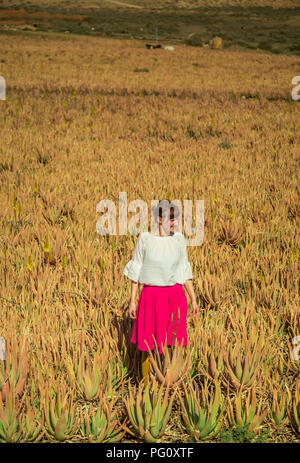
(269, 25)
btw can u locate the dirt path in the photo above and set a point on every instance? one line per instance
(124, 4)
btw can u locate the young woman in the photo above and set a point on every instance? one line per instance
(160, 263)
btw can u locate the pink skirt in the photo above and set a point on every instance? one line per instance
(154, 318)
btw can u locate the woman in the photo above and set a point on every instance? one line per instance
(160, 263)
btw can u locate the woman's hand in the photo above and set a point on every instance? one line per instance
(189, 287)
(132, 310)
(195, 309)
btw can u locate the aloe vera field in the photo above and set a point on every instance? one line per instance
(86, 118)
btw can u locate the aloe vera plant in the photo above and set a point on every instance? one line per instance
(47, 253)
(281, 398)
(202, 411)
(271, 295)
(31, 424)
(281, 366)
(243, 369)
(213, 293)
(60, 419)
(10, 431)
(93, 375)
(102, 425)
(16, 370)
(88, 375)
(289, 365)
(279, 408)
(229, 234)
(3, 376)
(244, 411)
(294, 411)
(173, 367)
(213, 365)
(148, 410)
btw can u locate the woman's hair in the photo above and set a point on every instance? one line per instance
(163, 207)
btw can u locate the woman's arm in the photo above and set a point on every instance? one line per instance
(189, 287)
(134, 290)
(132, 305)
(188, 277)
(132, 271)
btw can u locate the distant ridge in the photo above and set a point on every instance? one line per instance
(150, 4)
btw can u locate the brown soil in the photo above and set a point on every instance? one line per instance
(23, 14)
(11, 21)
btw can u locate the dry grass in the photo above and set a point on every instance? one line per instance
(79, 125)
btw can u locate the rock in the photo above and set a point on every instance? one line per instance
(28, 27)
(216, 43)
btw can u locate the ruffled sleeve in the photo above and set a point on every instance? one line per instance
(186, 269)
(133, 267)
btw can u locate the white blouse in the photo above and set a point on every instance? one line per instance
(159, 260)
